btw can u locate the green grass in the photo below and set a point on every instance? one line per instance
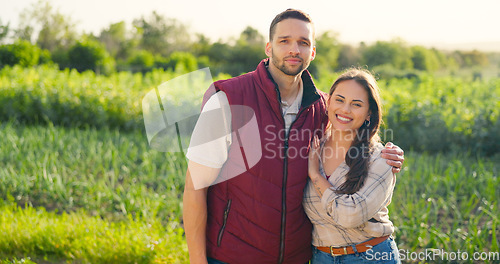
(75, 237)
(87, 196)
(447, 202)
(105, 172)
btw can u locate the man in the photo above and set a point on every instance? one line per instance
(257, 217)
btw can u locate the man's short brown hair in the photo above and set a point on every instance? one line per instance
(289, 13)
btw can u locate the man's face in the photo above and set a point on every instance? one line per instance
(291, 49)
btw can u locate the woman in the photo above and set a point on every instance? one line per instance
(350, 185)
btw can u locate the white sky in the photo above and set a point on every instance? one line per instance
(431, 22)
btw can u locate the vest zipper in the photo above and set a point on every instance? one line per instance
(283, 202)
(285, 176)
(283, 190)
(224, 221)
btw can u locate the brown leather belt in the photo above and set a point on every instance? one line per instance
(362, 247)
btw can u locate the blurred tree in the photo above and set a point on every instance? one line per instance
(113, 36)
(445, 61)
(141, 61)
(241, 56)
(4, 31)
(472, 58)
(89, 54)
(251, 37)
(327, 53)
(201, 45)
(246, 53)
(60, 56)
(394, 53)
(219, 52)
(162, 36)
(349, 56)
(50, 28)
(118, 42)
(182, 62)
(22, 52)
(424, 59)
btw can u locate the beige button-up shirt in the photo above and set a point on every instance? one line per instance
(341, 219)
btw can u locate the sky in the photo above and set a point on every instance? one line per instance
(448, 23)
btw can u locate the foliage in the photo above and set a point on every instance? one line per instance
(424, 113)
(47, 27)
(117, 41)
(471, 58)
(141, 61)
(395, 53)
(161, 35)
(68, 98)
(182, 62)
(424, 59)
(21, 52)
(90, 55)
(45, 95)
(442, 114)
(238, 58)
(349, 56)
(4, 31)
(447, 202)
(327, 54)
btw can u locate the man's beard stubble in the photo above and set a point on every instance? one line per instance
(280, 64)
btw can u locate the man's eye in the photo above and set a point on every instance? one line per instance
(339, 100)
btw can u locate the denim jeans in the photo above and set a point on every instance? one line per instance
(385, 252)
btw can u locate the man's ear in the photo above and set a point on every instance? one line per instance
(313, 53)
(269, 49)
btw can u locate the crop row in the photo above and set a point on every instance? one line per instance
(423, 113)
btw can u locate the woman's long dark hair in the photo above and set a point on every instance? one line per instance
(358, 155)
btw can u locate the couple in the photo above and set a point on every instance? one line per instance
(260, 215)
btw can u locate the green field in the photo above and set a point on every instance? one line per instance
(123, 199)
(75, 191)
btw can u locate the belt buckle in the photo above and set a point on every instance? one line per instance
(336, 255)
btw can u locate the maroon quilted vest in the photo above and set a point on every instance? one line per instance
(257, 216)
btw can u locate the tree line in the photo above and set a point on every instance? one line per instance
(44, 35)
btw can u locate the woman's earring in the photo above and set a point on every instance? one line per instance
(367, 123)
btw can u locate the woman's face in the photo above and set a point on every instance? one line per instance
(348, 107)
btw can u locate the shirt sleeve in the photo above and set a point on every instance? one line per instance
(211, 136)
(353, 210)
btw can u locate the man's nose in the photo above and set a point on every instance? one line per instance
(294, 49)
